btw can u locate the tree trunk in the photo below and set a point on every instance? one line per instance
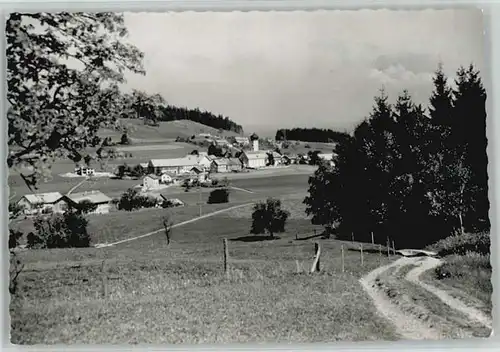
(462, 231)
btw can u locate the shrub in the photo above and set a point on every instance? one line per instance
(15, 209)
(167, 203)
(132, 200)
(463, 244)
(218, 196)
(269, 217)
(471, 272)
(124, 140)
(60, 231)
(14, 237)
(85, 207)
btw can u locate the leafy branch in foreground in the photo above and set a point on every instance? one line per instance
(63, 71)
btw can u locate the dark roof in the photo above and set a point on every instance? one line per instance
(254, 136)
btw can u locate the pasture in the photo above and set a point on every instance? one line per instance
(166, 131)
(298, 147)
(178, 293)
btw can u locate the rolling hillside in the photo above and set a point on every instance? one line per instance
(167, 131)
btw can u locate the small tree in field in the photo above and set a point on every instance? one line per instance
(218, 196)
(167, 224)
(269, 217)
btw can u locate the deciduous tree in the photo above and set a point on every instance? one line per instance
(63, 76)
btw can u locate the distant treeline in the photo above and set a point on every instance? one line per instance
(310, 135)
(172, 113)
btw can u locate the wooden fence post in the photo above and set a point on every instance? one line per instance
(104, 279)
(226, 255)
(379, 250)
(393, 248)
(316, 265)
(388, 248)
(342, 250)
(352, 237)
(373, 241)
(361, 246)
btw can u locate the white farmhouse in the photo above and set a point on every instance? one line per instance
(98, 198)
(151, 182)
(254, 159)
(37, 203)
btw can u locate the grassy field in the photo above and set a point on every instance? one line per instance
(166, 131)
(297, 147)
(179, 294)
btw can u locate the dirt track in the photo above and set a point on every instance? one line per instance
(395, 298)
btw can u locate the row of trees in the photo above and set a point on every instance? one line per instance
(408, 174)
(310, 135)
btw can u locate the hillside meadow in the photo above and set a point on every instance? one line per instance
(180, 294)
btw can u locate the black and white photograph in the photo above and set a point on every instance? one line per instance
(276, 177)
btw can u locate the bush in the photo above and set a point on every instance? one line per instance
(14, 237)
(167, 203)
(60, 231)
(132, 200)
(470, 272)
(15, 209)
(124, 140)
(463, 244)
(218, 196)
(269, 217)
(85, 207)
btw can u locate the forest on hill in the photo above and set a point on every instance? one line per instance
(154, 109)
(310, 135)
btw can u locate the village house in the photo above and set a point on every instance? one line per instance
(84, 171)
(219, 165)
(98, 198)
(220, 142)
(199, 173)
(235, 165)
(41, 202)
(178, 165)
(166, 178)
(327, 157)
(254, 159)
(278, 158)
(226, 165)
(174, 166)
(151, 181)
(204, 161)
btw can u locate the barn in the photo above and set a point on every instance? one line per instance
(98, 198)
(41, 202)
(220, 165)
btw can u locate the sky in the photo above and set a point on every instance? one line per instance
(269, 70)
